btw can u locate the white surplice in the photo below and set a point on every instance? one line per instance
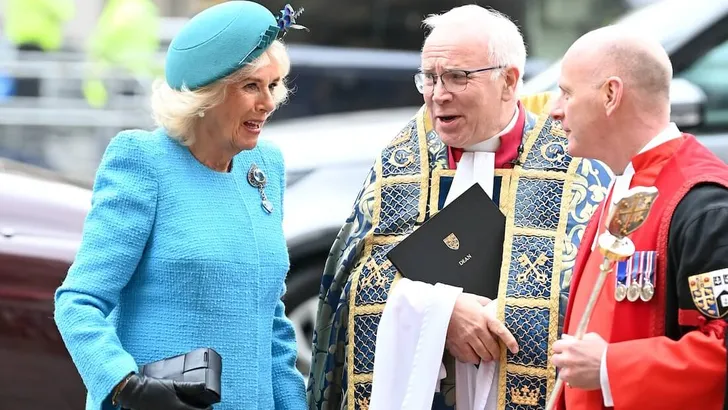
(410, 340)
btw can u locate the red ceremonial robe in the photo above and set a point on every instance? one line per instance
(646, 369)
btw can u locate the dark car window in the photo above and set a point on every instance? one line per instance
(324, 90)
(710, 73)
(704, 62)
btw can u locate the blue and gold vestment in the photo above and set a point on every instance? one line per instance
(547, 199)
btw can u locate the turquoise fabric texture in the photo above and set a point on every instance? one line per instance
(217, 42)
(176, 256)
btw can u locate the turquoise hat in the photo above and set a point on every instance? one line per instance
(220, 40)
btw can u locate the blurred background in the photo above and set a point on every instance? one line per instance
(73, 73)
(358, 55)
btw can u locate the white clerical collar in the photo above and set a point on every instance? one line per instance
(477, 165)
(620, 184)
(493, 143)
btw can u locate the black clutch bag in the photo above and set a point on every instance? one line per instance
(203, 365)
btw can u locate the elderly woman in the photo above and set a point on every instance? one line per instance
(183, 246)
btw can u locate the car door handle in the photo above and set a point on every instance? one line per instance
(7, 232)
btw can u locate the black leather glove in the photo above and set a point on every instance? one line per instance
(148, 393)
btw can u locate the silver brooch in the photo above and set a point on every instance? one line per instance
(257, 178)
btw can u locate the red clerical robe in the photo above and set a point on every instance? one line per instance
(664, 353)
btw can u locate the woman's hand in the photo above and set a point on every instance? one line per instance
(148, 393)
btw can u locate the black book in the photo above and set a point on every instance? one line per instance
(462, 245)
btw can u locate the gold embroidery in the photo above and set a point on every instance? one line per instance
(532, 268)
(524, 396)
(363, 403)
(437, 175)
(553, 151)
(375, 273)
(371, 240)
(404, 136)
(508, 203)
(376, 279)
(402, 157)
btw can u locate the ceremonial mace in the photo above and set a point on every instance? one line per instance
(627, 216)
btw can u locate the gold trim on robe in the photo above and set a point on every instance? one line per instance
(547, 200)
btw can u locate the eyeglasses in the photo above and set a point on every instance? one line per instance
(453, 81)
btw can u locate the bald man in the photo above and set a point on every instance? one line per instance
(656, 339)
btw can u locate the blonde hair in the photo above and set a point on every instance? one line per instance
(505, 42)
(178, 111)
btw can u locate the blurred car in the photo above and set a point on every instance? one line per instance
(695, 35)
(41, 218)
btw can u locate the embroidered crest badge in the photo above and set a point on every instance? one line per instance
(452, 242)
(710, 293)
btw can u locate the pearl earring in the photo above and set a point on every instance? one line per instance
(201, 114)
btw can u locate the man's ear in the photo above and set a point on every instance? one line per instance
(511, 76)
(612, 91)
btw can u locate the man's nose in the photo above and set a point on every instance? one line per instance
(557, 112)
(439, 93)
